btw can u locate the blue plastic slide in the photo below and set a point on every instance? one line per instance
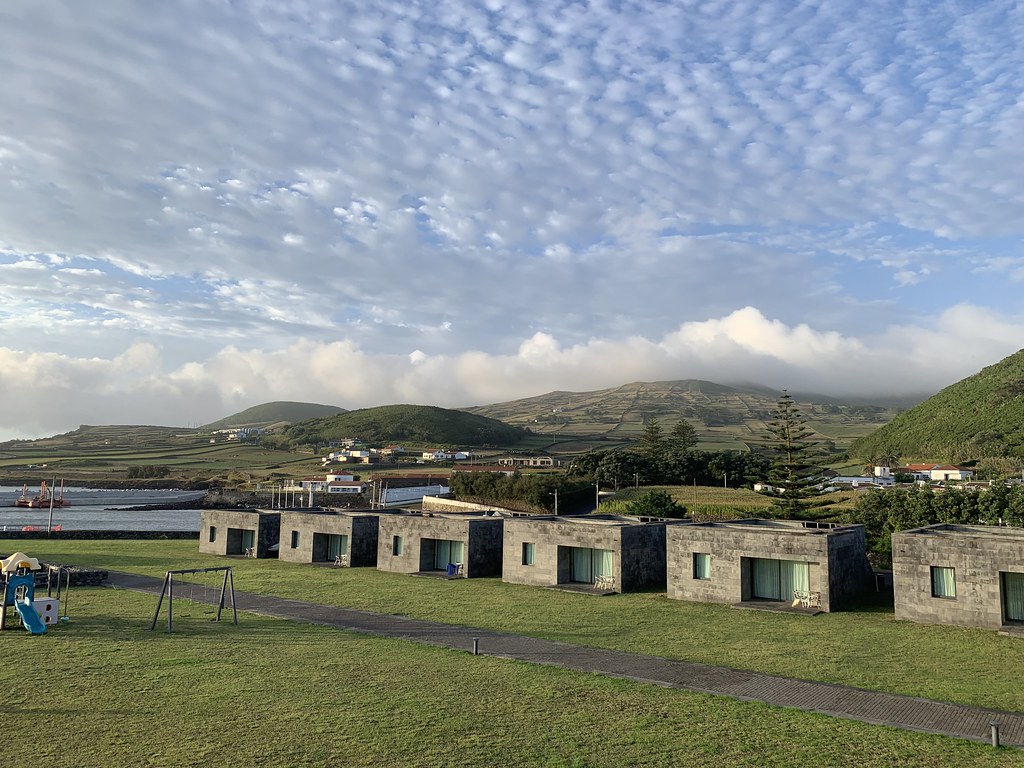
(29, 617)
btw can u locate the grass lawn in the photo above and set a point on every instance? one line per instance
(868, 648)
(101, 690)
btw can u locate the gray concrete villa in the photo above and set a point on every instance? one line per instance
(609, 553)
(340, 537)
(249, 532)
(453, 544)
(960, 574)
(821, 566)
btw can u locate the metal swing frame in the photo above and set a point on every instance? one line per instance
(227, 588)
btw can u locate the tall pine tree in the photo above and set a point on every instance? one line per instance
(794, 474)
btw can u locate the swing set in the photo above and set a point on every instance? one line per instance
(227, 588)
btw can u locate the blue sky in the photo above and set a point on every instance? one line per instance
(207, 205)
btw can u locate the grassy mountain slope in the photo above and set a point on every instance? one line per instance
(723, 415)
(408, 423)
(275, 413)
(978, 417)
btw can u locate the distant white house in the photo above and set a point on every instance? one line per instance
(346, 486)
(440, 454)
(527, 461)
(938, 472)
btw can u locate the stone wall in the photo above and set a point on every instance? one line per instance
(93, 535)
(977, 556)
(445, 504)
(481, 537)
(638, 550)
(361, 529)
(77, 576)
(229, 523)
(732, 546)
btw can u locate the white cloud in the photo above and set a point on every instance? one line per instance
(48, 393)
(505, 185)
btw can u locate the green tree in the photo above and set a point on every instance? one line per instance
(794, 472)
(682, 438)
(656, 504)
(652, 441)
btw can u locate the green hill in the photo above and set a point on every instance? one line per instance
(275, 413)
(979, 417)
(408, 423)
(724, 416)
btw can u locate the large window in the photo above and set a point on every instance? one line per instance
(1013, 596)
(701, 565)
(337, 545)
(447, 552)
(397, 545)
(943, 581)
(529, 552)
(778, 579)
(588, 564)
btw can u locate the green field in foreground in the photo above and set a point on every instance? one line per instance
(102, 690)
(867, 648)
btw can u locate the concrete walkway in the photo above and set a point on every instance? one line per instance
(876, 707)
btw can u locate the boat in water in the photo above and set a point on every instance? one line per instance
(45, 499)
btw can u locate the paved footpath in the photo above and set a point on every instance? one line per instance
(877, 707)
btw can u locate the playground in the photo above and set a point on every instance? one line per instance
(18, 582)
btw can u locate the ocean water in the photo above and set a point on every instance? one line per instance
(102, 509)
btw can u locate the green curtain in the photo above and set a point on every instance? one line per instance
(792, 577)
(248, 539)
(337, 545)
(778, 579)
(943, 582)
(603, 564)
(582, 568)
(447, 551)
(458, 552)
(1013, 596)
(701, 565)
(587, 564)
(765, 579)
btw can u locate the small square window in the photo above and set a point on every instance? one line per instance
(943, 581)
(529, 552)
(295, 539)
(397, 544)
(213, 533)
(701, 565)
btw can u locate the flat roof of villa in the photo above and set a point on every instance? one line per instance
(602, 520)
(799, 527)
(968, 531)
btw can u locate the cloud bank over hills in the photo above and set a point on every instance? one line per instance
(205, 205)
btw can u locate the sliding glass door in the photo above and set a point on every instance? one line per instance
(588, 564)
(778, 579)
(1013, 596)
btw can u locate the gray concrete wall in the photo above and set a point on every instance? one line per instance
(229, 523)
(481, 538)
(638, 550)
(850, 575)
(976, 554)
(643, 557)
(361, 529)
(732, 546)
